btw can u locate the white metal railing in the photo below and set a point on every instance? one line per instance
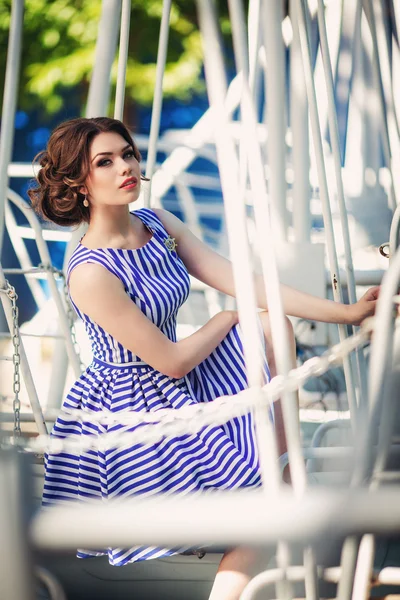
(10, 103)
(271, 23)
(302, 13)
(236, 226)
(262, 521)
(157, 99)
(46, 266)
(100, 85)
(291, 517)
(122, 59)
(335, 143)
(389, 127)
(22, 254)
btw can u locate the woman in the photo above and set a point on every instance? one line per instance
(127, 279)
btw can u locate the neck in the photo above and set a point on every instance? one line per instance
(108, 223)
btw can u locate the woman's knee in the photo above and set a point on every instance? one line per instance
(266, 324)
(247, 559)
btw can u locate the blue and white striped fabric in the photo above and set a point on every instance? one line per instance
(215, 457)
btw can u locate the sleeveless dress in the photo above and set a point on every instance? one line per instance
(214, 457)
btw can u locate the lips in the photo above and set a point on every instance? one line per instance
(131, 182)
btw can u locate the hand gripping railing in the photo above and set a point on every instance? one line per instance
(335, 143)
(302, 13)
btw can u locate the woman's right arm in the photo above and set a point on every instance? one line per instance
(101, 296)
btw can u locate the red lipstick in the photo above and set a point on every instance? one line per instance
(129, 183)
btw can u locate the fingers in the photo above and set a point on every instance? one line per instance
(372, 294)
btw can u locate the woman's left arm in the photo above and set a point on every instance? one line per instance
(216, 271)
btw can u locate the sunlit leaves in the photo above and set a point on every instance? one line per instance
(59, 45)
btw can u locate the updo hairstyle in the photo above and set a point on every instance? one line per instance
(65, 168)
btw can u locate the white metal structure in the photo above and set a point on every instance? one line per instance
(271, 515)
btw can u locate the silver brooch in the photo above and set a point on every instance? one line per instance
(170, 243)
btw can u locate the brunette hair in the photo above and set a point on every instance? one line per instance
(65, 167)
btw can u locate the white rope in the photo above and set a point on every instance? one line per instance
(190, 419)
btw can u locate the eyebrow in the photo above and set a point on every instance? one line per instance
(111, 153)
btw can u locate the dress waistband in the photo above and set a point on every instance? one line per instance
(126, 365)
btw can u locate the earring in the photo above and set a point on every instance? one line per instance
(85, 202)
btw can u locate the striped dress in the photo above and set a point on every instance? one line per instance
(214, 457)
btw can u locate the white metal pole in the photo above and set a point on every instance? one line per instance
(122, 59)
(395, 28)
(364, 568)
(350, 14)
(213, 518)
(394, 239)
(181, 157)
(158, 97)
(100, 84)
(239, 39)
(23, 257)
(387, 84)
(97, 105)
(254, 36)
(387, 143)
(265, 241)
(335, 143)
(236, 228)
(275, 98)
(380, 364)
(355, 146)
(227, 159)
(242, 60)
(16, 573)
(10, 103)
(366, 95)
(323, 184)
(300, 138)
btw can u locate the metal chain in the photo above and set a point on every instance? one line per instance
(69, 311)
(9, 290)
(159, 424)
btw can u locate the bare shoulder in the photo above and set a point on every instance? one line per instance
(90, 272)
(90, 278)
(172, 224)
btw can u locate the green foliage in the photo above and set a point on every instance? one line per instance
(59, 44)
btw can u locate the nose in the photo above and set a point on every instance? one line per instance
(125, 167)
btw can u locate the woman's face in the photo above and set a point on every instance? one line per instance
(114, 176)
